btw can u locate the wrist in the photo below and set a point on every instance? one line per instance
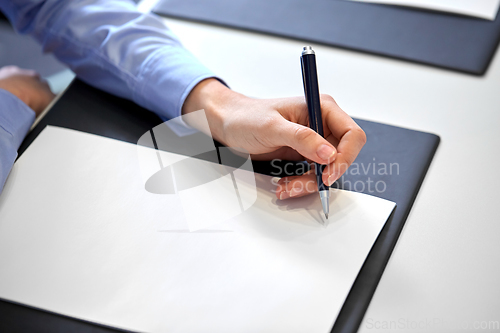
(214, 98)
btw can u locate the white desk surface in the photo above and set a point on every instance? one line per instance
(446, 265)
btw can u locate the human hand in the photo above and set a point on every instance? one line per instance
(28, 86)
(278, 129)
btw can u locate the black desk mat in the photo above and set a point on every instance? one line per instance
(450, 41)
(23, 51)
(87, 109)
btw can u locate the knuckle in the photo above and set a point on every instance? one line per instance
(302, 134)
(349, 160)
(327, 98)
(268, 124)
(360, 134)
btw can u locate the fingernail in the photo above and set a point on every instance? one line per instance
(284, 195)
(326, 152)
(295, 192)
(331, 179)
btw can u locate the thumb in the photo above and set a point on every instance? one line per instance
(305, 141)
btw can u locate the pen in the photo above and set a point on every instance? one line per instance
(311, 91)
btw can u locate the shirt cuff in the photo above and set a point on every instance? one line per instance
(167, 81)
(16, 117)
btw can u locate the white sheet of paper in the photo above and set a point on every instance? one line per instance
(80, 236)
(486, 9)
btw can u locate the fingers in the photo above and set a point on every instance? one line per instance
(28, 86)
(351, 138)
(348, 149)
(44, 97)
(283, 153)
(297, 186)
(342, 132)
(8, 71)
(304, 140)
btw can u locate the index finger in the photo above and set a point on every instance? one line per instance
(350, 136)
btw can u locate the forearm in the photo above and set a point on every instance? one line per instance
(112, 46)
(16, 119)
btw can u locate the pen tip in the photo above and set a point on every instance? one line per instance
(326, 214)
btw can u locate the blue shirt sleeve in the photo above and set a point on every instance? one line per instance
(111, 46)
(16, 119)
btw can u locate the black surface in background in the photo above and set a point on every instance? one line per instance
(87, 109)
(439, 39)
(23, 51)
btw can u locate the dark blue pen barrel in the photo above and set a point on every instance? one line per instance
(319, 177)
(311, 91)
